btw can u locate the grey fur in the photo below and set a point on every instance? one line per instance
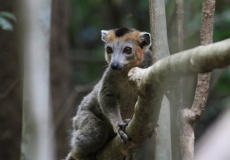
(111, 101)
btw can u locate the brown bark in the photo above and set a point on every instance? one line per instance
(152, 17)
(180, 24)
(60, 74)
(203, 83)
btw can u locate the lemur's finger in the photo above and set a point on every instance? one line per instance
(127, 120)
(124, 137)
(125, 123)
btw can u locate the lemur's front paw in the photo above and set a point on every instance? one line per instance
(136, 75)
(121, 131)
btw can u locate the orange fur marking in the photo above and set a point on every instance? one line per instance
(132, 35)
(139, 58)
(128, 36)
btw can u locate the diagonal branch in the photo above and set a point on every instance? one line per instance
(152, 81)
(197, 60)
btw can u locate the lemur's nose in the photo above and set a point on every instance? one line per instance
(116, 65)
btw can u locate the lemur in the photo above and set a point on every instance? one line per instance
(106, 111)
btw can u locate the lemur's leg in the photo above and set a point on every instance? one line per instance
(89, 135)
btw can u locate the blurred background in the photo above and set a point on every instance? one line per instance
(77, 60)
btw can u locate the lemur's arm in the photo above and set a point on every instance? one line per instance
(110, 107)
(108, 101)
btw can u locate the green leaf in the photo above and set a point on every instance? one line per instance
(8, 15)
(5, 24)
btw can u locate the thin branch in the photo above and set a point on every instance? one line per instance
(189, 116)
(152, 27)
(203, 81)
(180, 23)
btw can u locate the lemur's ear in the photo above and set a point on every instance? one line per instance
(104, 35)
(146, 39)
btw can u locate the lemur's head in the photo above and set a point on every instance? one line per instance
(125, 47)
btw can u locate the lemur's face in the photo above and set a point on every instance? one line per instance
(124, 47)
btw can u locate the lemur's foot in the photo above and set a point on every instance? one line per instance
(121, 131)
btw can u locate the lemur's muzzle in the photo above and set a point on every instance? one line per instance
(116, 66)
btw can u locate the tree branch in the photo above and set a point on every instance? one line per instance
(152, 81)
(197, 60)
(189, 116)
(180, 23)
(203, 81)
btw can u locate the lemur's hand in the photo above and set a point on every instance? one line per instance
(121, 131)
(136, 75)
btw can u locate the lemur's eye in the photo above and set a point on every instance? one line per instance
(127, 50)
(109, 50)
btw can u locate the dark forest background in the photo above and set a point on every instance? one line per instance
(77, 60)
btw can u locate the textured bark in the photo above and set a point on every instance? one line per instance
(152, 16)
(180, 24)
(203, 83)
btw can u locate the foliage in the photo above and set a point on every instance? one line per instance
(5, 22)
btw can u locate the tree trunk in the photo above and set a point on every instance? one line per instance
(37, 133)
(162, 142)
